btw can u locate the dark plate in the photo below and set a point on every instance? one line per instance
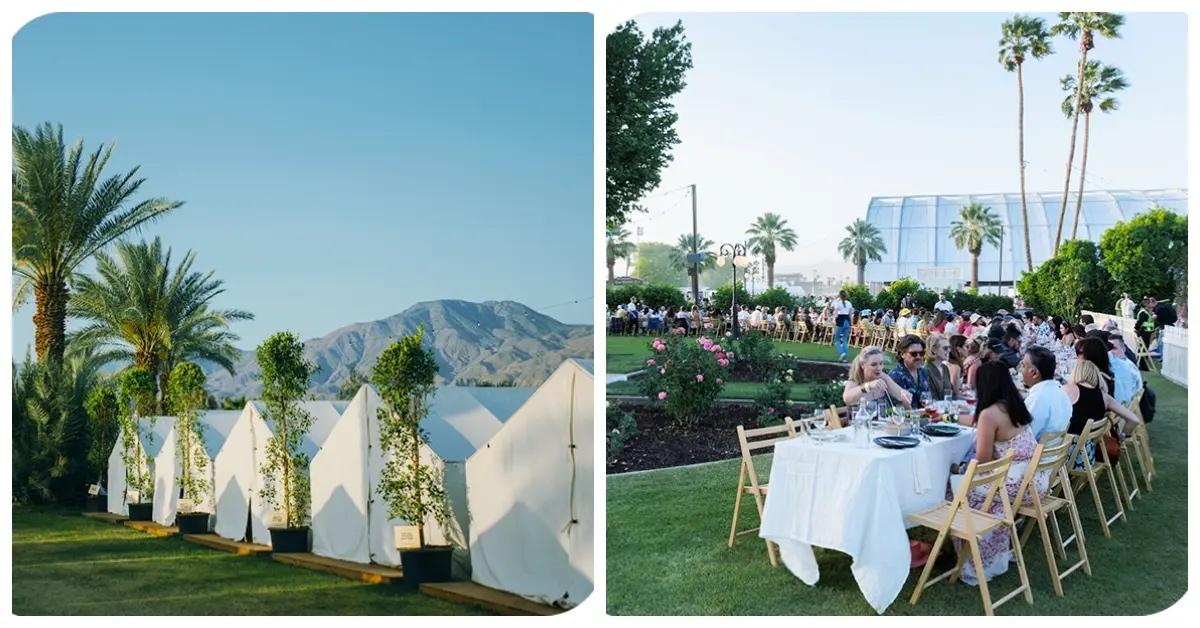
(935, 429)
(896, 442)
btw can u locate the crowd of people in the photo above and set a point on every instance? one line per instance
(1030, 376)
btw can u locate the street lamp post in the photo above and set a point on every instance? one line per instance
(738, 254)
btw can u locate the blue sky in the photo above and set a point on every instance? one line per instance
(810, 115)
(340, 168)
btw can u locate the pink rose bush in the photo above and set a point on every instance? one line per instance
(690, 374)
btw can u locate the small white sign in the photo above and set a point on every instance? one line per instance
(277, 519)
(131, 497)
(184, 506)
(94, 489)
(407, 537)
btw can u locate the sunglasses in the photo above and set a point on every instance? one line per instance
(917, 354)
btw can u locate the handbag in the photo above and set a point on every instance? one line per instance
(1112, 444)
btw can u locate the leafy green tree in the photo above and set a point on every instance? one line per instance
(769, 233)
(683, 248)
(1021, 38)
(859, 295)
(136, 386)
(976, 226)
(233, 403)
(620, 295)
(138, 309)
(1082, 26)
(349, 386)
(404, 376)
(643, 75)
(285, 375)
(617, 246)
(104, 410)
(723, 297)
(663, 295)
(63, 213)
(1071, 281)
(654, 265)
(862, 244)
(891, 296)
(187, 395)
(1099, 81)
(772, 298)
(1147, 256)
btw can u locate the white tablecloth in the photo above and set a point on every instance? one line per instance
(853, 500)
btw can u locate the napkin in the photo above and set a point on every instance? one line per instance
(920, 463)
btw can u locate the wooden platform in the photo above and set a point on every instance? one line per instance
(225, 545)
(373, 574)
(501, 602)
(106, 517)
(151, 528)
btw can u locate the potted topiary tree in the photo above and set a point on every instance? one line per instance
(187, 397)
(285, 375)
(104, 410)
(137, 390)
(404, 375)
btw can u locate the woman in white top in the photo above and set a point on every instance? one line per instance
(843, 311)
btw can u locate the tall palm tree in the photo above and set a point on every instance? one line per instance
(976, 226)
(63, 213)
(768, 233)
(137, 309)
(1099, 82)
(683, 248)
(617, 247)
(1083, 26)
(1023, 37)
(862, 244)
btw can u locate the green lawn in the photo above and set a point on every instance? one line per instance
(626, 354)
(64, 564)
(667, 530)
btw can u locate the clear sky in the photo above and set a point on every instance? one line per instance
(340, 168)
(810, 115)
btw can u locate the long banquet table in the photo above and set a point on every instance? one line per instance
(853, 500)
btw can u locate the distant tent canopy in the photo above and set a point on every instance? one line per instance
(916, 231)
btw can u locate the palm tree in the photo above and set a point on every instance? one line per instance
(768, 232)
(617, 247)
(977, 225)
(1083, 26)
(139, 310)
(683, 248)
(63, 213)
(863, 244)
(1099, 81)
(1020, 38)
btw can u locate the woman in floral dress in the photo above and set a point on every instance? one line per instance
(1002, 424)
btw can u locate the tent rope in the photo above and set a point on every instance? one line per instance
(571, 449)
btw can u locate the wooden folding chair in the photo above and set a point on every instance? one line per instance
(772, 435)
(1094, 433)
(1129, 448)
(959, 520)
(1039, 509)
(833, 420)
(799, 330)
(1143, 353)
(1141, 441)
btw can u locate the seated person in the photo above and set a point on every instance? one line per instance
(868, 384)
(1046, 401)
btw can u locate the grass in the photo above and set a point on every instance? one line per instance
(65, 564)
(627, 354)
(667, 555)
(731, 390)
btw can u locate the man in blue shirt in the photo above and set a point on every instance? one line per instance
(909, 374)
(1046, 401)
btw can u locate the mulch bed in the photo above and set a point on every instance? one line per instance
(661, 442)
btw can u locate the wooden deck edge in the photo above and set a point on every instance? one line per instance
(106, 517)
(152, 528)
(345, 569)
(237, 548)
(494, 600)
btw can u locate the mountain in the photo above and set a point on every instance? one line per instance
(486, 342)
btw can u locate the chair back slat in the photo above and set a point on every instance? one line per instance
(833, 419)
(988, 472)
(780, 433)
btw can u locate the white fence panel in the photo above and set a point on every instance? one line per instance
(1175, 352)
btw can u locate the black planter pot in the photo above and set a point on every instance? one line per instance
(95, 503)
(141, 512)
(290, 540)
(192, 523)
(428, 564)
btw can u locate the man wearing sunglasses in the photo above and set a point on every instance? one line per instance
(909, 374)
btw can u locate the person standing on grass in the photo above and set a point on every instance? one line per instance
(909, 373)
(943, 305)
(1144, 326)
(1125, 306)
(843, 309)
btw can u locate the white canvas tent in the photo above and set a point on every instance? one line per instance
(151, 439)
(530, 494)
(325, 414)
(235, 471)
(350, 520)
(215, 426)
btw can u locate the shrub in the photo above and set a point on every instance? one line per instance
(1071, 281)
(775, 297)
(621, 294)
(891, 295)
(755, 354)
(860, 296)
(722, 298)
(685, 375)
(621, 427)
(1147, 256)
(827, 393)
(775, 398)
(661, 295)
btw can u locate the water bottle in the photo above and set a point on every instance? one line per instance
(862, 427)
